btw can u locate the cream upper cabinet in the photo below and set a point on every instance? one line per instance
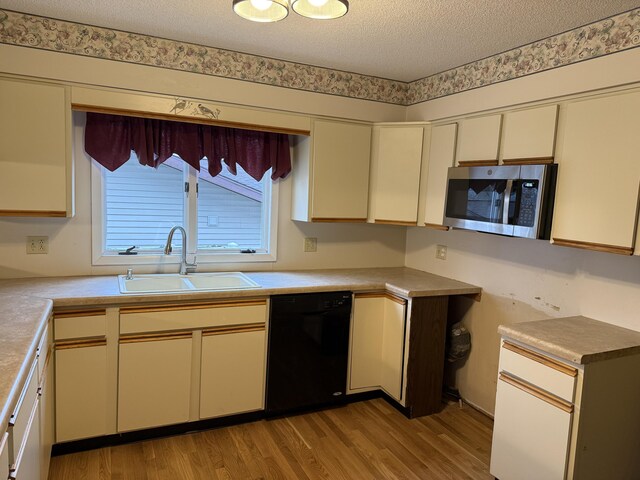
(529, 135)
(35, 158)
(377, 344)
(435, 168)
(396, 159)
(598, 154)
(478, 140)
(331, 173)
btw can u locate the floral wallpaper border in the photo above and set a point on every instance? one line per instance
(614, 34)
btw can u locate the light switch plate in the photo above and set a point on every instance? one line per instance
(310, 244)
(37, 245)
(441, 252)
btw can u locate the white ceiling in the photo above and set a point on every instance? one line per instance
(396, 39)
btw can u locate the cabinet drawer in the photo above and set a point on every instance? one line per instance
(42, 352)
(190, 317)
(544, 372)
(4, 456)
(19, 420)
(70, 325)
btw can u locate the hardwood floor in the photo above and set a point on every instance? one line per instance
(364, 440)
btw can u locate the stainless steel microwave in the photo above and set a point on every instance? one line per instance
(514, 200)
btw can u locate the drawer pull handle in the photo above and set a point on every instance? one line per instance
(536, 357)
(537, 392)
(249, 327)
(83, 343)
(155, 337)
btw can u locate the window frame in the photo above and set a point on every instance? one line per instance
(99, 256)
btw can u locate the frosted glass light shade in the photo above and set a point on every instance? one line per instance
(320, 9)
(261, 10)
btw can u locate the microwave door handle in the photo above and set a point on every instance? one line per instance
(507, 201)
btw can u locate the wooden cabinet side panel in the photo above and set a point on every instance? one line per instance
(340, 170)
(34, 134)
(478, 138)
(233, 374)
(366, 342)
(529, 133)
(392, 358)
(398, 165)
(441, 157)
(425, 367)
(81, 393)
(599, 171)
(154, 383)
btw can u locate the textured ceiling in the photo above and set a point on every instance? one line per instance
(377, 37)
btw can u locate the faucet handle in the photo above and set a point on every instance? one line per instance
(129, 273)
(191, 267)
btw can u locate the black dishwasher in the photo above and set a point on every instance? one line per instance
(308, 348)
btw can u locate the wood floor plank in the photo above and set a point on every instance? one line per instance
(367, 440)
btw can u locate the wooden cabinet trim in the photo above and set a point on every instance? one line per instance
(155, 337)
(543, 359)
(226, 330)
(395, 222)
(177, 118)
(528, 161)
(80, 313)
(598, 247)
(32, 213)
(478, 163)
(437, 226)
(83, 343)
(338, 220)
(537, 392)
(193, 306)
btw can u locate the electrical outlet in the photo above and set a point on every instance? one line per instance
(310, 244)
(37, 245)
(441, 252)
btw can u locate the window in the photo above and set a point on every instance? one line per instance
(224, 215)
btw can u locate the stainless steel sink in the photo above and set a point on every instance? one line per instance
(195, 282)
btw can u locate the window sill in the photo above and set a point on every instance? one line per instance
(174, 259)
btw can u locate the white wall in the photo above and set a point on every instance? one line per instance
(526, 279)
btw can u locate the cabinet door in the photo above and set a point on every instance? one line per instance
(391, 360)
(35, 158)
(478, 140)
(81, 392)
(529, 134)
(154, 381)
(598, 175)
(377, 344)
(225, 390)
(530, 436)
(4, 455)
(47, 416)
(27, 466)
(340, 171)
(366, 342)
(397, 157)
(441, 157)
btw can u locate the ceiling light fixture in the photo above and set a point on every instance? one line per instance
(274, 10)
(261, 10)
(320, 9)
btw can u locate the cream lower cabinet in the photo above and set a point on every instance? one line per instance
(35, 159)
(81, 401)
(377, 344)
(232, 371)
(331, 173)
(598, 156)
(181, 363)
(154, 381)
(557, 420)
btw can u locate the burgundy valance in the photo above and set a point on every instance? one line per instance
(109, 139)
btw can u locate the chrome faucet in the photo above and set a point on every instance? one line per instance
(184, 266)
